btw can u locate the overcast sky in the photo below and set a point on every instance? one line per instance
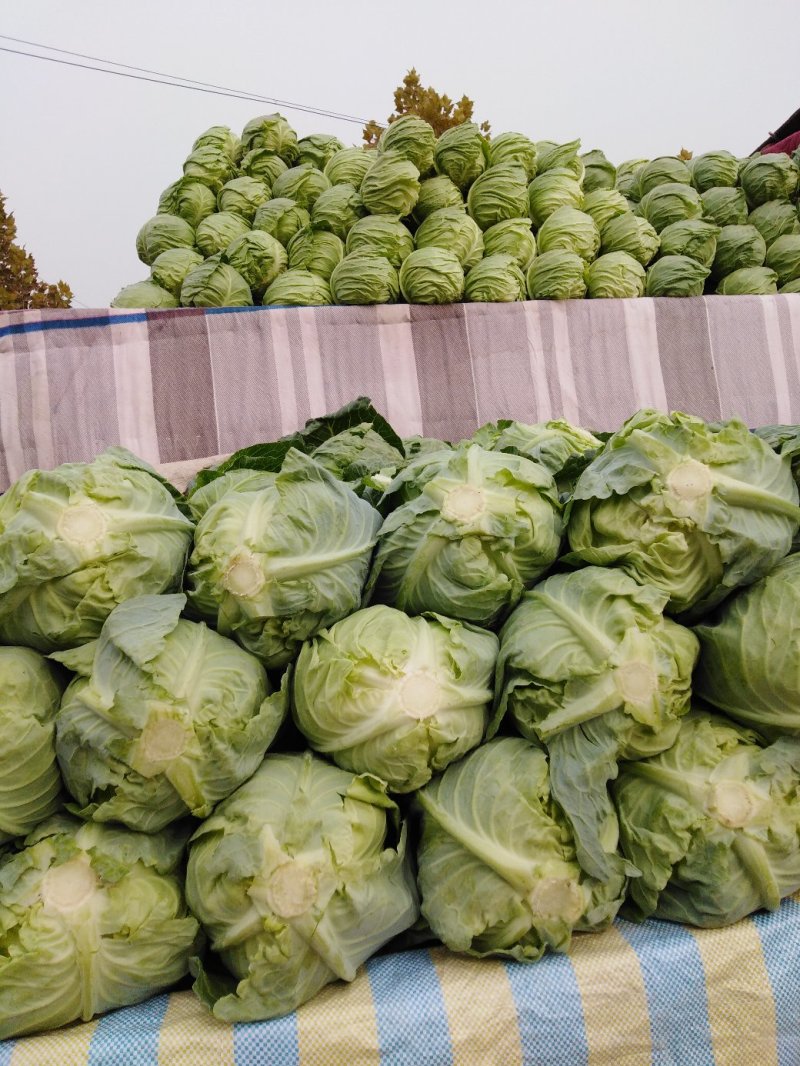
(84, 156)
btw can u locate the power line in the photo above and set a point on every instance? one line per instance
(176, 82)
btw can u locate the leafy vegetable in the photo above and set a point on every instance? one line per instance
(393, 696)
(77, 540)
(589, 666)
(92, 918)
(272, 566)
(30, 786)
(713, 823)
(474, 528)
(498, 873)
(696, 509)
(165, 718)
(299, 877)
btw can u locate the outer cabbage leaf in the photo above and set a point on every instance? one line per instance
(30, 785)
(563, 449)
(750, 653)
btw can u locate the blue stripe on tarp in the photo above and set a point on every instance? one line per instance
(129, 1034)
(272, 1043)
(783, 966)
(675, 984)
(410, 1013)
(6, 1051)
(71, 323)
(549, 1012)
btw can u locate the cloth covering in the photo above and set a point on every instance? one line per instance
(654, 993)
(175, 385)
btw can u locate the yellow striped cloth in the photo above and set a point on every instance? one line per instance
(654, 993)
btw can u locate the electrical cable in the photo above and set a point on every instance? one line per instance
(179, 83)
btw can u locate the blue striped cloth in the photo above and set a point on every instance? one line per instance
(653, 993)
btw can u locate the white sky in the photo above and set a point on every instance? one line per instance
(84, 156)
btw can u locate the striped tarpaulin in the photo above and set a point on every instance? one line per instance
(175, 385)
(654, 993)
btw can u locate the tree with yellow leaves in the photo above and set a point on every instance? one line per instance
(412, 98)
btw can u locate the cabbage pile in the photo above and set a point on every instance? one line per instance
(267, 218)
(354, 690)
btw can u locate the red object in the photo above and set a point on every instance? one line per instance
(788, 144)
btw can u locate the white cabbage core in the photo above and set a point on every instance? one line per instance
(464, 503)
(82, 523)
(636, 681)
(557, 899)
(243, 576)
(66, 887)
(163, 739)
(291, 889)
(732, 803)
(420, 694)
(690, 480)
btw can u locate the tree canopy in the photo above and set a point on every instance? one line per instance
(412, 98)
(20, 285)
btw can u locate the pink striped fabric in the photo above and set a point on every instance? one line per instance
(177, 385)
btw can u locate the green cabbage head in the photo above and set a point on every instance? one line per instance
(749, 664)
(165, 718)
(364, 279)
(495, 279)
(713, 823)
(215, 284)
(460, 154)
(92, 918)
(162, 232)
(145, 294)
(499, 193)
(590, 667)
(557, 275)
(632, 234)
(432, 276)
(189, 199)
(434, 193)
(696, 509)
(77, 540)
(281, 218)
(455, 231)
(474, 528)
(272, 566)
(390, 186)
(169, 269)
(298, 878)
(498, 873)
(30, 785)
(514, 237)
(563, 449)
(379, 235)
(298, 288)
(393, 696)
(614, 276)
(348, 166)
(412, 138)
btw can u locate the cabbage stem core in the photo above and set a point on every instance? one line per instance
(67, 887)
